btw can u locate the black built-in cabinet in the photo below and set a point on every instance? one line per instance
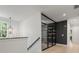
(61, 32)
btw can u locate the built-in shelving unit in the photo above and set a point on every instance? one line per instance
(51, 34)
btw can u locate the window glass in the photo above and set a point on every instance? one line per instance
(3, 29)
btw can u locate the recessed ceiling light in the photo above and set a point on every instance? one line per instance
(64, 14)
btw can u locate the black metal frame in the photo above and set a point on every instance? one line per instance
(47, 32)
(55, 32)
(47, 43)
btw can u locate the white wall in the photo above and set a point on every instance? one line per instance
(73, 23)
(31, 28)
(68, 32)
(75, 34)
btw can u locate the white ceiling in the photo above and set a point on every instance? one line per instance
(17, 12)
(55, 12)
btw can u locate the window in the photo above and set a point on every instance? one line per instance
(3, 29)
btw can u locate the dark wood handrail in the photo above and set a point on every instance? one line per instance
(33, 43)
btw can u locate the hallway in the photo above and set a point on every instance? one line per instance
(59, 48)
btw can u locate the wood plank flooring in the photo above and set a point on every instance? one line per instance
(59, 48)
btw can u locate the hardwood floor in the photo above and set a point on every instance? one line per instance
(59, 48)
